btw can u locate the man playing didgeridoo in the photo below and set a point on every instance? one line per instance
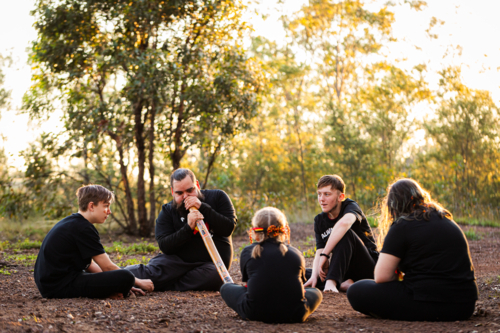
(185, 263)
(346, 250)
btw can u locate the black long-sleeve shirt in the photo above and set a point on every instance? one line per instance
(174, 236)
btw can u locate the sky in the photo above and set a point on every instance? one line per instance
(473, 25)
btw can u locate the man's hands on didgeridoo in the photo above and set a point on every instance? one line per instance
(192, 201)
(193, 217)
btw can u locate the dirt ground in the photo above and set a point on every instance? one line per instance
(22, 309)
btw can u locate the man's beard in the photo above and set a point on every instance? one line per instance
(181, 208)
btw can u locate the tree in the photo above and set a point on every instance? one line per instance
(153, 76)
(462, 163)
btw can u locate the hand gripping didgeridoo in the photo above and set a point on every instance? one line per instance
(212, 250)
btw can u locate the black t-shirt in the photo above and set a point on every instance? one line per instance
(66, 252)
(435, 258)
(275, 283)
(323, 226)
(174, 236)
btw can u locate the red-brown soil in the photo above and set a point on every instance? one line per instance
(22, 309)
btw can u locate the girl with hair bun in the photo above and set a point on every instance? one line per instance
(274, 273)
(424, 272)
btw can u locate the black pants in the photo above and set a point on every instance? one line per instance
(393, 300)
(234, 294)
(98, 285)
(169, 272)
(350, 260)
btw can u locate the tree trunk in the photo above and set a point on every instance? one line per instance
(152, 201)
(130, 219)
(141, 159)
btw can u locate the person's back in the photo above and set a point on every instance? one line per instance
(275, 282)
(274, 274)
(434, 257)
(424, 272)
(72, 261)
(65, 252)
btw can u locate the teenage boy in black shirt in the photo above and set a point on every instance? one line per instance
(346, 250)
(72, 261)
(185, 263)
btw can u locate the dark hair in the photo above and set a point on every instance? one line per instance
(406, 199)
(93, 193)
(180, 174)
(334, 181)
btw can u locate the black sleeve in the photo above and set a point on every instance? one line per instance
(222, 221)
(354, 209)
(169, 240)
(88, 241)
(302, 263)
(245, 257)
(395, 242)
(320, 243)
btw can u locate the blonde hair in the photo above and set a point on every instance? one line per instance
(264, 218)
(406, 199)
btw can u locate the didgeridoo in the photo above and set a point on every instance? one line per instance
(212, 250)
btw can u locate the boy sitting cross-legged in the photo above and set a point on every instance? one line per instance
(72, 261)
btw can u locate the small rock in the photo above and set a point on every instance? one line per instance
(70, 316)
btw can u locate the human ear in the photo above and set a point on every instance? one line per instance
(90, 206)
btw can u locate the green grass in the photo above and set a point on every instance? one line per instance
(23, 259)
(136, 248)
(133, 261)
(310, 240)
(17, 246)
(472, 235)
(479, 222)
(309, 253)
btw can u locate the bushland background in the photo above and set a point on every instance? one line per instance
(143, 87)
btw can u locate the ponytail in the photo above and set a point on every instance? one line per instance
(269, 222)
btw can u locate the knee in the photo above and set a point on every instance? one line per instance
(127, 277)
(225, 288)
(357, 293)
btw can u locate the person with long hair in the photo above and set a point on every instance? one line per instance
(425, 271)
(274, 273)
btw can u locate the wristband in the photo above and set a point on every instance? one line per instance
(325, 255)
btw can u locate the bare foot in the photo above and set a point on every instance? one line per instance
(116, 296)
(330, 287)
(346, 284)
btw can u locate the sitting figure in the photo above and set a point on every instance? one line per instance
(425, 271)
(72, 261)
(346, 250)
(275, 274)
(185, 263)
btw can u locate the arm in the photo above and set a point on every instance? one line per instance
(104, 264)
(315, 270)
(338, 231)
(93, 268)
(169, 240)
(385, 269)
